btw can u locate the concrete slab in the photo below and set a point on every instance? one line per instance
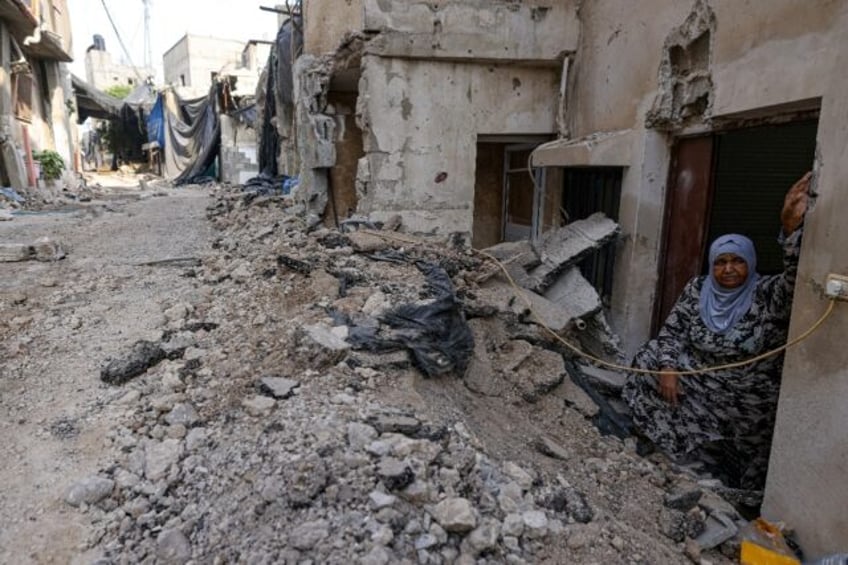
(569, 245)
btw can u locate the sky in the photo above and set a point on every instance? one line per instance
(169, 21)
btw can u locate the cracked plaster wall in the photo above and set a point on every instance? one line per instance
(414, 138)
(762, 62)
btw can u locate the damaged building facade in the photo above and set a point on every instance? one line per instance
(36, 101)
(500, 121)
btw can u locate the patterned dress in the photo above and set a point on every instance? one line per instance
(724, 419)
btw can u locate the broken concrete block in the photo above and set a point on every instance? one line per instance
(499, 296)
(577, 398)
(719, 529)
(367, 242)
(277, 387)
(575, 294)
(547, 446)
(569, 245)
(604, 380)
(321, 346)
(13, 252)
(538, 373)
(47, 249)
(520, 253)
(395, 359)
(142, 356)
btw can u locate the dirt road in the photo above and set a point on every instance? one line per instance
(58, 322)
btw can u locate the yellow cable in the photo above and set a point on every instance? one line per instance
(576, 350)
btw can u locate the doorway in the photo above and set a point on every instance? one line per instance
(728, 182)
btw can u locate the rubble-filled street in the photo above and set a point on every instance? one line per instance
(201, 379)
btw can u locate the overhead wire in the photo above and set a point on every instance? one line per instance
(121, 42)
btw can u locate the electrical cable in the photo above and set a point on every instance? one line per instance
(121, 42)
(576, 350)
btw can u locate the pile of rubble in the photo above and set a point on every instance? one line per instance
(292, 413)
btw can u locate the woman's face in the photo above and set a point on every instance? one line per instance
(730, 270)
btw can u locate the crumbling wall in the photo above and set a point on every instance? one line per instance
(534, 30)
(685, 82)
(421, 120)
(327, 22)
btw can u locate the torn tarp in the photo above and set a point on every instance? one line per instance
(435, 331)
(94, 103)
(192, 135)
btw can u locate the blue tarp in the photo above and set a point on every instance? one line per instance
(156, 123)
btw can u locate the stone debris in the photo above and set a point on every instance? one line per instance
(90, 490)
(278, 387)
(143, 355)
(13, 252)
(276, 438)
(43, 249)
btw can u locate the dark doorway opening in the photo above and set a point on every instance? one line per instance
(728, 182)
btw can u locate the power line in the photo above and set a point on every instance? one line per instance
(121, 42)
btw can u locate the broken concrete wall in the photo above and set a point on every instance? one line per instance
(473, 29)
(421, 147)
(761, 63)
(239, 157)
(809, 458)
(327, 22)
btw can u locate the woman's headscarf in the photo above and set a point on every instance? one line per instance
(722, 307)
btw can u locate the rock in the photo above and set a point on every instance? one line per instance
(455, 515)
(13, 252)
(717, 529)
(47, 249)
(381, 500)
(277, 387)
(306, 478)
(712, 503)
(535, 524)
(90, 490)
(195, 438)
(677, 526)
(406, 425)
(684, 500)
(143, 355)
(426, 541)
(547, 446)
(172, 547)
(692, 550)
(383, 535)
(258, 405)
(320, 346)
(378, 555)
(577, 398)
(177, 312)
(307, 535)
(376, 305)
(570, 501)
(391, 360)
(484, 537)
(366, 242)
(521, 477)
(395, 474)
(513, 525)
(183, 413)
(510, 498)
(131, 397)
(604, 380)
(537, 373)
(360, 435)
(159, 456)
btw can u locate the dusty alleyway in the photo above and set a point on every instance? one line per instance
(253, 431)
(59, 321)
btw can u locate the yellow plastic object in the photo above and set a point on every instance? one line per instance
(763, 544)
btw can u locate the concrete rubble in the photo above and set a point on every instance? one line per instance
(267, 435)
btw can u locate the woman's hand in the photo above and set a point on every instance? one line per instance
(795, 204)
(669, 385)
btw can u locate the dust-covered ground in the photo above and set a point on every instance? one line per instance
(260, 408)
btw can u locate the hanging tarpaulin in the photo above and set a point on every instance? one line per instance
(156, 123)
(192, 136)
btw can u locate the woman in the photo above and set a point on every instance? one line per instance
(724, 418)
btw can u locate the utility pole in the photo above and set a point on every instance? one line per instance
(148, 47)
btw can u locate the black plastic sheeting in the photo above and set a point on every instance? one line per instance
(279, 90)
(435, 332)
(192, 138)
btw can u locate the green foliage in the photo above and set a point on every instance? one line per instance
(52, 164)
(119, 91)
